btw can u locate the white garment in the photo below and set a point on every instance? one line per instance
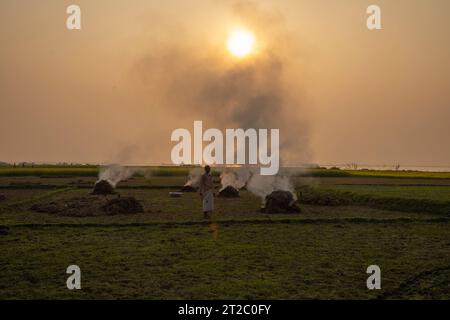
(208, 201)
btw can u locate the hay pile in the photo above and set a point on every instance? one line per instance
(229, 192)
(280, 202)
(74, 207)
(103, 187)
(122, 205)
(188, 188)
(89, 206)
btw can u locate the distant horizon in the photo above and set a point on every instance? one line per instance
(438, 168)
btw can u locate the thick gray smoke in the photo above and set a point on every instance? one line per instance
(262, 186)
(237, 178)
(225, 92)
(116, 173)
(257, 184)
(194, 177)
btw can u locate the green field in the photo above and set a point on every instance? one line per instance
(166, 171)
(171, 252)
(424, 198)
(437, 193)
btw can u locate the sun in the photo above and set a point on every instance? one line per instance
(240, 43)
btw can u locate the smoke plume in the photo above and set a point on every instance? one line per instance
(116, 173)
(237, 178)
(194, 177)
(262, 186)
(225, 92)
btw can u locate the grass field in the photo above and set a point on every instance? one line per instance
(167, 171)
(437, 193)
(171, 252)
(425, 198)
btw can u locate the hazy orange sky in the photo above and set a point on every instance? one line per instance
(115, 90)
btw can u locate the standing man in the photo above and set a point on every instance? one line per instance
(207, 192)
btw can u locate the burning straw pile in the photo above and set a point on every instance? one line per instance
(103, 187)
(193, 181)
(188, 188)
(229, 192)
(122, 205)
(89, 206)
(97, 203)
(276, 192)
(232, 181)
(110, 176)
(280, 202)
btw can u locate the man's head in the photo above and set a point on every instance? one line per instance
(207, 169)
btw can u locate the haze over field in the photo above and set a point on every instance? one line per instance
(114, 91)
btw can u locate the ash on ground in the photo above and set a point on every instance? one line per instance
(229, 192)
(89, 206)
(103, 187)
(280, 202)
(188, 188)
(122, 205)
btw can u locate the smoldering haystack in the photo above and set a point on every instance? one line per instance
(90, 205)
(229, 192)
(103, 187)
(280, 202)
(188, 188)
(122, 205)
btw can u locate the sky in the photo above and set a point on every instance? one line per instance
(114, 91)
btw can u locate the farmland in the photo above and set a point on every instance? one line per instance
(349, 221)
